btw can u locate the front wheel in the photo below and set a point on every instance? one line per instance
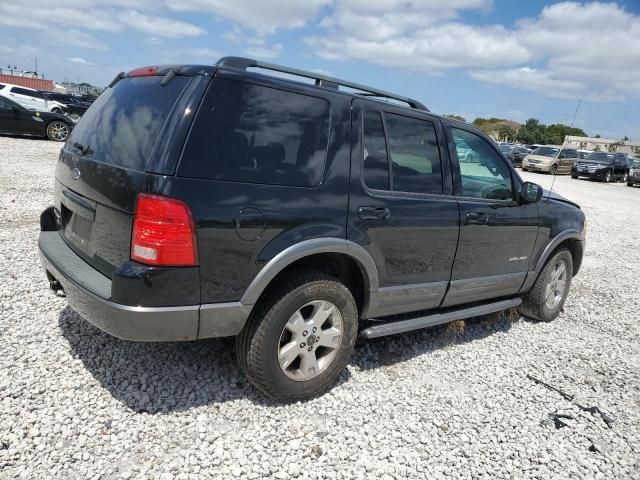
(629, 184)
(545, 300)
(58, 131)
(299, 338)
(574, 177)
(553, 170)
(625, 177)
(607, 177)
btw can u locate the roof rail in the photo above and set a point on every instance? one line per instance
(320, 80)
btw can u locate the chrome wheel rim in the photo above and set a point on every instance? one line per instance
(554, 290)
(608, 177)
(310, 340)
(625, 178)
(58, 131)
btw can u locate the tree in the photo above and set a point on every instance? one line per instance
(613, 147)
(456, 117)
(625, 139)
(597, 135)
(507, 133)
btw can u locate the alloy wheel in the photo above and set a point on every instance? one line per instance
(607, 177)
(58, 131)
(310, 340)
(554, 291)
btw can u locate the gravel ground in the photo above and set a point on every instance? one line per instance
(453, 401)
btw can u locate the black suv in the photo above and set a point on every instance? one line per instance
(606, 167)
(209, 201)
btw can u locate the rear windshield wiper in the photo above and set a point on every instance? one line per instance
(83, 150)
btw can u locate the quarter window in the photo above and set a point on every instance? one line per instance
(409, 150)
(483, 173)
(255, 134)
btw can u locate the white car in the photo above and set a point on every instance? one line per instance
(30, 99)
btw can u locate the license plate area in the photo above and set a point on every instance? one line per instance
(78, 216)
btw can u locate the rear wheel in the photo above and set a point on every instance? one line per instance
(549, 292)
(574, 176)
(299, 338)
(58, 131)
(629, 184)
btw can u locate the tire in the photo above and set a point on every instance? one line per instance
(625, 177)
(524, 169)
(574, 177)
(629, 184)
(553, 170)
(537, 303)
(58, 131)
(607, 177)
(263, 342)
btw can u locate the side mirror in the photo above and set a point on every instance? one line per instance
(530, 192)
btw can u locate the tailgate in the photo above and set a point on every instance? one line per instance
(103, 165)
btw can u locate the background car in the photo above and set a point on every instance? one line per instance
(17, 120)
(30, 98)
(550, 159)
(584, 153)
(633, 177)
(606, 167)
(515, 154)
(73, 106)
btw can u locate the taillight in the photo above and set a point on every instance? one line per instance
(163, 232)
(143, 72)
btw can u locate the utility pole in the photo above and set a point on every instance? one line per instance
(36, 67)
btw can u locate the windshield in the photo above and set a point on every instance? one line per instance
(600, 157)
(634, 162)
(546, 151)
(506, 148)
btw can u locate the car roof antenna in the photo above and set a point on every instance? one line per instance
(553, 181)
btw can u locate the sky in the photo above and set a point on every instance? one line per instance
(511, 59)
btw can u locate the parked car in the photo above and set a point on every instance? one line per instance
(293, 216)
(73, 106)
(515, 154)
(30, 98)
(634, 172)
(606, 167)
(554, 160)
(584, 153)
(17, 120)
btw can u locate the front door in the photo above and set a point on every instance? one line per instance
(11, 118)
(497, 233)
(401, 206)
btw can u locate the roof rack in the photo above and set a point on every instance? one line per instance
(320, 80)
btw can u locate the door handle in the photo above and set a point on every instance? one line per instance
(374, 213)
(477, 218)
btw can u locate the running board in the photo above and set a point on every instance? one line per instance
(398, 326)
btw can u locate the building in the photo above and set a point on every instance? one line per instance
(29, 82)
(602, 144)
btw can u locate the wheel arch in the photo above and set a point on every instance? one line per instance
(343, 259)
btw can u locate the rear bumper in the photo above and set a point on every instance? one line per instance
(88, 292)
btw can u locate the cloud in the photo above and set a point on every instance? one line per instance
(158, 26)
(261, 16)
(79, 60)
(570, 49)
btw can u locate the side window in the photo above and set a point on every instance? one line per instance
(486, 177)
(572, 154)
(5, 105)
(415, 158)
(375, 170)
(255, 134)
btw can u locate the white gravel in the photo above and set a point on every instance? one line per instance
(446, 402)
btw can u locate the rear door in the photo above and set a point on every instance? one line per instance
(401, 206)
(497, 233)
(104, 162)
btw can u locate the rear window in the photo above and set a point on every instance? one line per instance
(255, 134)
(122, 126)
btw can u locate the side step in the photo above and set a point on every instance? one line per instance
(398, 326)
